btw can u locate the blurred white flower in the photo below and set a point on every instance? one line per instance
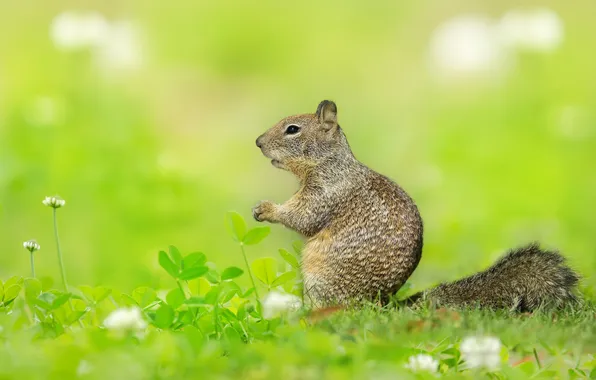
(538, 29)
(276, 303)
(55, 202)
(475, 44)
(31, 245)
(115, 45)
(84, 368)
(73, 30)
(125, 319)
(422, 362)
(467, 44)
(121, 48)
(481, 352)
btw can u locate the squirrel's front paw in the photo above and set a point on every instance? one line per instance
(264, 211)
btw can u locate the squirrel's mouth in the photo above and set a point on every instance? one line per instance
(278, 164)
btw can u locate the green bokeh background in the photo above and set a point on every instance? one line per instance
(157, 156)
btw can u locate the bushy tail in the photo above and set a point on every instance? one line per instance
(524, 279)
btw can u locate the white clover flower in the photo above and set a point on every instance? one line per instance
(73, 30)
(115, 45)
(55, 202)
(481, 352)
(276, 303)
(31, 246)
(121, 48)
(125, 319)
(467, 45)
(538, 29)
(422, 363)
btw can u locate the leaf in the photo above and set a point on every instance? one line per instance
(144, 296)
(236, 226)
(32, 288)
(212, 295)
(87, 292)
(199, 286)
(231, 272)
(283, 278)
(297, 246)
(127, 300)
(42, 304)
(241, 311)
(403, 290)
(256, 235)
(175, 298)
(175, 255)
(228, 291)
(247, 293)
(195, 302)
(100, 293)
(231, 334)
(167, 264)
(11, 292)
(151, 305)
(289, 258)
(228, 314)
(212, 276)
(75, 316)
(265, 269)
(61, 300)
(192, 273)
(14, 280)
(194, 259)
(164, 316)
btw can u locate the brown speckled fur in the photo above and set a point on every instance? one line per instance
(364, 233)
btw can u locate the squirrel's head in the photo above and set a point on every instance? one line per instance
(299, 142)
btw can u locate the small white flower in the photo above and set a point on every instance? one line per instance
(276, 303)
(422, 362)
(481, 352)
(31, 246)
(125, 319)
(539, 29)
(55, 202)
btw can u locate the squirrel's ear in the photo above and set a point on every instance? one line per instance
(327, 114)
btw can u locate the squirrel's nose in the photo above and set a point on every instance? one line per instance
(260, 141)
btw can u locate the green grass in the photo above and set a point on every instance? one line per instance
(207, 323)
(157, 156)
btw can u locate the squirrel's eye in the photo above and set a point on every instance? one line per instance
(292, 129)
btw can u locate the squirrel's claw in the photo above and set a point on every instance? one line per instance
(262, 211)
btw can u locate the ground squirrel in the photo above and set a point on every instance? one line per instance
(364, 232)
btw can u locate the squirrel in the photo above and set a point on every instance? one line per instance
(364, 232)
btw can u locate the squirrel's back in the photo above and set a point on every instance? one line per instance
(370, 244)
